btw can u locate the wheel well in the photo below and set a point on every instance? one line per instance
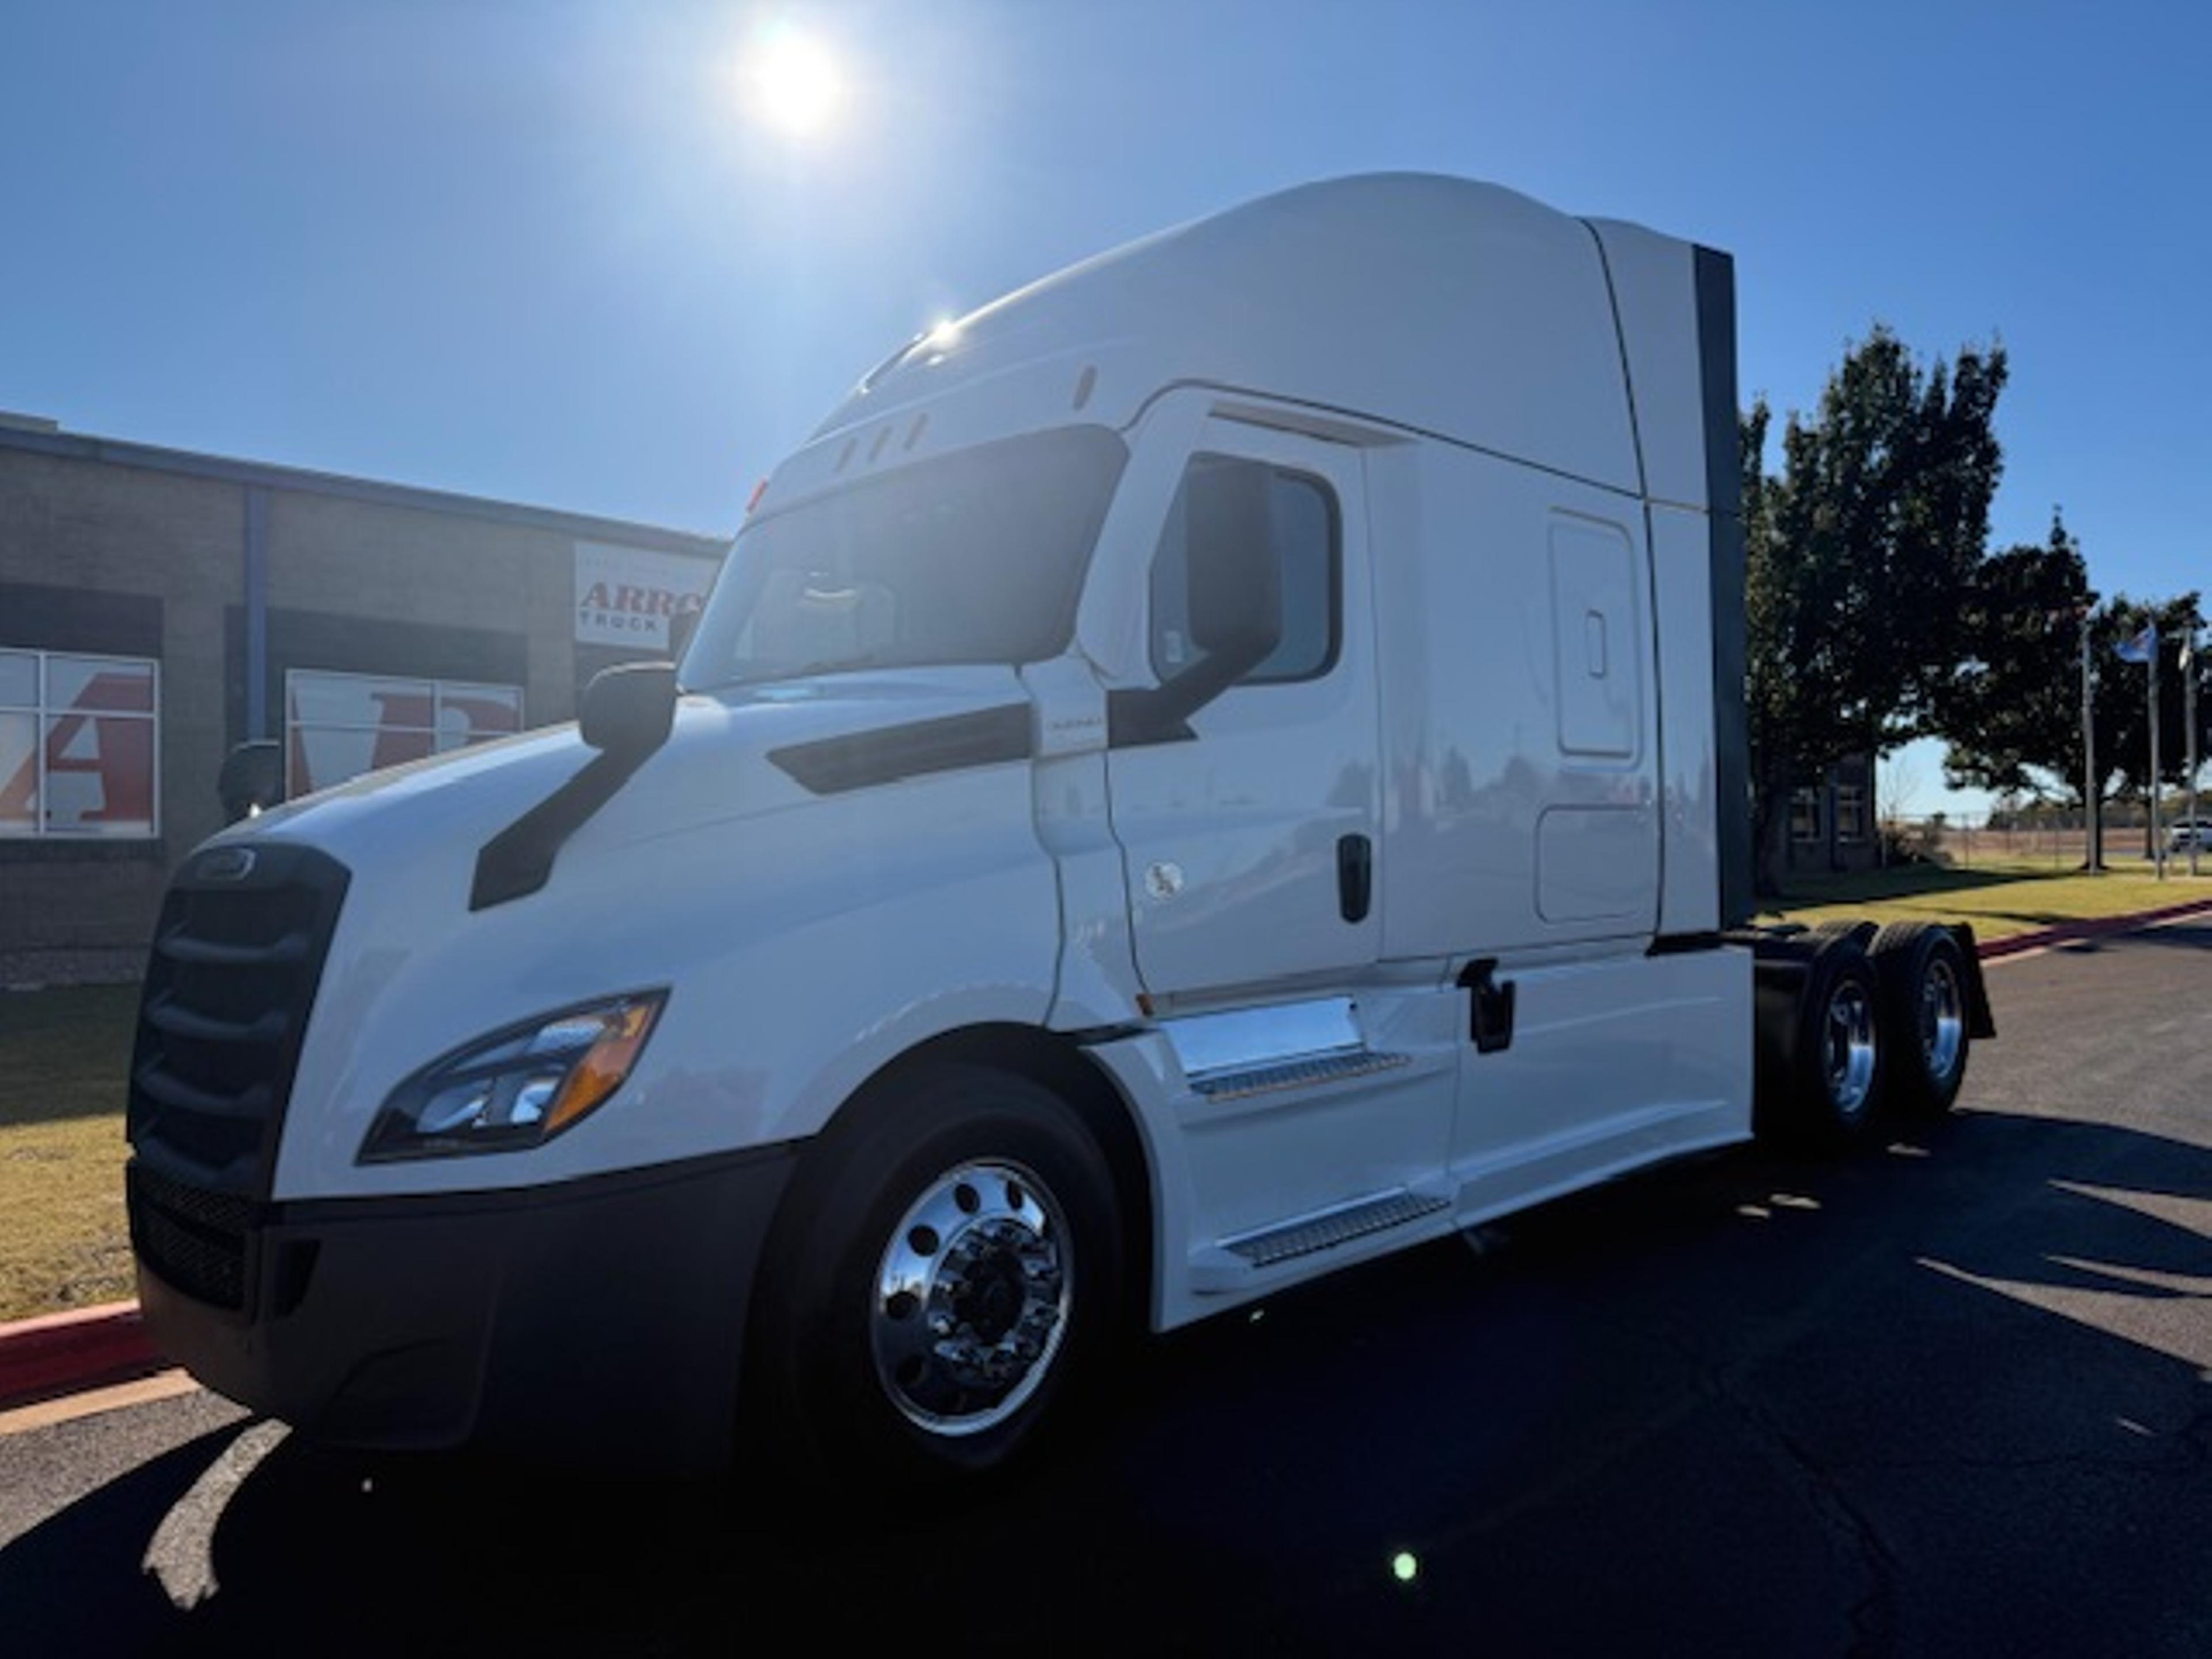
(1053, 1063)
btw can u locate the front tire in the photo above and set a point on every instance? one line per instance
(951, 1263)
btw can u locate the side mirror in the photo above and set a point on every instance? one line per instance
(1235, 578)
(681, 627)
(1235, 609)
(630, 709)
(252, 779)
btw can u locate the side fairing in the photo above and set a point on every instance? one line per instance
(1676, 304)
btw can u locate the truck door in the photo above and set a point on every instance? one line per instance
(1248, 845)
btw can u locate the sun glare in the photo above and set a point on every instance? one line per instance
(793, 84)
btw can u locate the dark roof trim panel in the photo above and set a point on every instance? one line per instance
(1716, 292)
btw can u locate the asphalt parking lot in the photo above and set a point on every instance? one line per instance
(1947, 1396)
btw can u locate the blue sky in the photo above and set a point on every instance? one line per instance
(546, 251)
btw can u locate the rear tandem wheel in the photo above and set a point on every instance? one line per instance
(1925, 1016)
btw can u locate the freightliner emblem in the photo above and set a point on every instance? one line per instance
(226, 864)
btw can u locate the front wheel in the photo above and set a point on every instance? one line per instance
(973, 1298)
(944, 1269)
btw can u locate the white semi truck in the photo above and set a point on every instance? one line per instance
(1225, 763)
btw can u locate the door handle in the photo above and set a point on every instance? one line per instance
(1355, 877)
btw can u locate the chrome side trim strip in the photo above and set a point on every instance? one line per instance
(1247, 1039)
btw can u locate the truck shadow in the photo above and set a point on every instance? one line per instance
(1902, 881)
(1764, 1404)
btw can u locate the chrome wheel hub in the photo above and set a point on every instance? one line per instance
(971, 1298)
(1942, 1020)
(1847, 1048)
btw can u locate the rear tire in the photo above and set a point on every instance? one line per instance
(945, 1270)
(1925, 1016)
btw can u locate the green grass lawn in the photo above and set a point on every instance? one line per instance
(1998, 899)
(63, 1239)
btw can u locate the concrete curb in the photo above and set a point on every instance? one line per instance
(60, 1353)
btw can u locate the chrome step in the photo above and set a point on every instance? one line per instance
(1333, 1227)
(1298, 1073)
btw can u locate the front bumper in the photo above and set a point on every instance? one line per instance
(600, 1320)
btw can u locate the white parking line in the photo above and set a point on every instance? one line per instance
(163, 1385)
(181, 1553)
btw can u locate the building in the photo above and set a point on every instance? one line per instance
(1827, 825)
(158, 607)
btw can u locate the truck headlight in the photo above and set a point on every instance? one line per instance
(516, 1088)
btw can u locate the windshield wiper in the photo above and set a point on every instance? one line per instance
(820, 666)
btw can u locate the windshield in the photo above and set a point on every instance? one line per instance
(977, 557)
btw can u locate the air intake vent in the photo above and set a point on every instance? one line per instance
(194, 1239)
(236, 957)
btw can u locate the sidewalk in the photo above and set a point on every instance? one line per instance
(61, 1353)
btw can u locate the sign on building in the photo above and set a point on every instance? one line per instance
(337, 727)
(78, 739)
(625, 595)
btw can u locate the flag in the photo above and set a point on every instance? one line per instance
(2142, 649)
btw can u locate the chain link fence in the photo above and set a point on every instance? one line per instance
(2054, 836)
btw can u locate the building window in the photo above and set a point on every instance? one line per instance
(337, 727)
(79, 740)
(1850, 811)
(1302, 517)
(1805, 814)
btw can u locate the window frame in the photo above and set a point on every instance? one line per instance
(1806, 796)
(43, 712)
(1850, 808)
(1335, 506)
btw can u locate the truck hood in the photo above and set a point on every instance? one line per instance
(737, 753)
(787, 843)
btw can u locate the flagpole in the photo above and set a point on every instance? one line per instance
(2092, 806)
(2150, 679)
(2189, 726)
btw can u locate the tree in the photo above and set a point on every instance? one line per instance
(2011, 709)
(2013, 712)
(1859, 555)
(1896, 785)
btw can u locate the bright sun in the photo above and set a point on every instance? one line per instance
(795, 84)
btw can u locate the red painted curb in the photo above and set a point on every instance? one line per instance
(60, 1353)
(2097, 927)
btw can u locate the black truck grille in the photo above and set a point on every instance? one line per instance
(235, 960)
